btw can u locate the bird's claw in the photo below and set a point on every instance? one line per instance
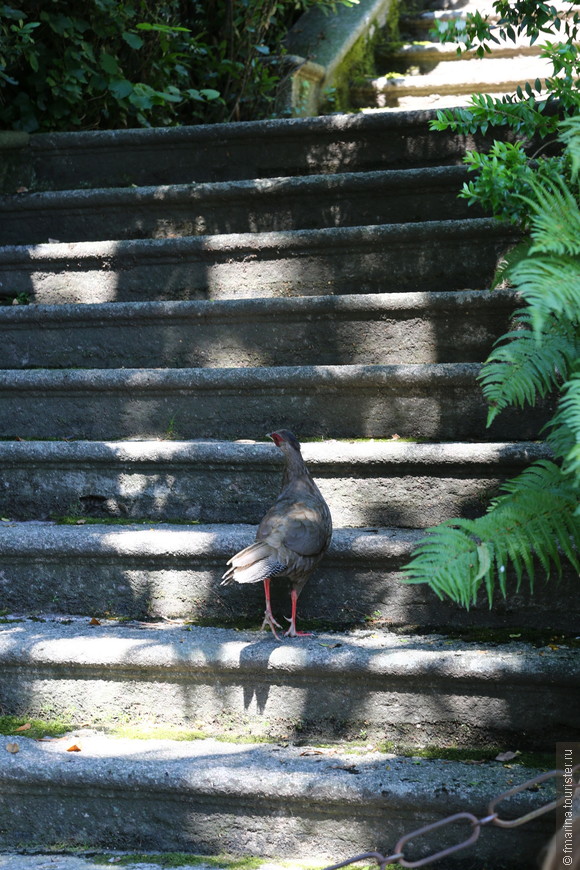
(271, 623)
(293, 631)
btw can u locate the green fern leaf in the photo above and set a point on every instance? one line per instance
(533, 519)
(556, 221)
(570, 136)
(550, 285)
(565, 428)
(522, 368)
(509, 261)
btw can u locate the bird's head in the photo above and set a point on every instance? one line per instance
(283, 437)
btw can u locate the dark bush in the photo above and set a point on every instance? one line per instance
(108, 64)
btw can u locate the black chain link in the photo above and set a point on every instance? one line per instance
(492, 817)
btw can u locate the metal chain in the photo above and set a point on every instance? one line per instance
(492, 817)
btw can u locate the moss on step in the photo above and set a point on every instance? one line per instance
(178, 859)
(473, 755)
(185, 859)
(468, 754)
(82, 519)
(14, 726)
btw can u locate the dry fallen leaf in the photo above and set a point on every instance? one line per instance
(312, 752)
(506, 756)
(74, 748)
(24, 727)
(94, 621)
(13, 748)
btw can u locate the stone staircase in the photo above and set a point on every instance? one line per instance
(182, 293)
(419, 72)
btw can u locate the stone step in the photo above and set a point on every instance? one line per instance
(433, 255)
(153, 571)
(367, 483)
(426, 102)
(421, 23)
(401, 688)
(212, 797)
(439, 401)
(220, 152)
(497, 75)
(424, 56)
(259, 205)
(378, 328)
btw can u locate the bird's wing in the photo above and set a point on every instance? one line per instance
(299, 526)
(253, 564)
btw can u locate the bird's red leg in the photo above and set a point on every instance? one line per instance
(292, 632)
(268, 616)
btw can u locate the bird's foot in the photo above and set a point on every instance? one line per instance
(293, 631)
(271, 623)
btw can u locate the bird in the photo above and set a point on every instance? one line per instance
(292, 537)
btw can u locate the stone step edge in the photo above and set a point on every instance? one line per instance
(401, 85)
(320, 456)
(250, 243)
(183, 544)
(436, 51)
(273, 379)
(190, 135)
(308, 806)
(252, 309)
(68, 648)
(226, 192)
(429, 17)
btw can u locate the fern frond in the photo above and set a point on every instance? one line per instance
(565, 429)
(448, 560)
(509, 261)
(556, 221)
(525, 366)
(532, 520)
(570, 135)
(550, 285)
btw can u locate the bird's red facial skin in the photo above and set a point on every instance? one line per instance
(276, 439)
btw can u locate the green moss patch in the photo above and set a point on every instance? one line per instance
(10, 725)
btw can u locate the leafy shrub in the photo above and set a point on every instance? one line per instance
(536, 518)
(537, 515)
(69, 65)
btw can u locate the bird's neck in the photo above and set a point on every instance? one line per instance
(295, 467)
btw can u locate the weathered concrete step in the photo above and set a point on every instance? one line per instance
(211, 797)
(439, 401)
(164, 571)
(424, 21)
(401, 688)
(454, 77)
(378, 328)
(385, 484)
(221, 152)
(435, 255)
(423, 55)
(259, 205)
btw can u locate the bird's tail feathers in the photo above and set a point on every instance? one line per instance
(252, 564)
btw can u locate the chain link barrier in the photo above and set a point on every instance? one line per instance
(492, 817)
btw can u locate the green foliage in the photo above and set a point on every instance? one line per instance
(536, 519)
(529, 111)
(526, 366)
(101, 64)
(109, 64)
(534, 112)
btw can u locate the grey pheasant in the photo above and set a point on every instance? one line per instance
(292, 537)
